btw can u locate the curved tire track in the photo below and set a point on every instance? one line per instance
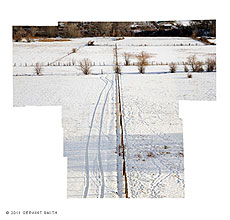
(88, 140)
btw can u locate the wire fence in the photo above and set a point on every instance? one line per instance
(73, 63)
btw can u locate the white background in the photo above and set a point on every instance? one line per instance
(32, 168)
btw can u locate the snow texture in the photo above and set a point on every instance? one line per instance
(153, 132)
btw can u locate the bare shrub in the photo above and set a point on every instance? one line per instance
(85, 66)
(127, 57)
(142, 61)
(38, 68)
(172, 67)
(185, 68)
(197, 66)
(211, 64)
(189, 75)
(191, 61)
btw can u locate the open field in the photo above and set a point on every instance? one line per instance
(161, 49)
(153, 133)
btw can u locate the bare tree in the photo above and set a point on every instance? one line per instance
(52, 31)
(72, 30)
(17, 36)
(103, 28)
(33, 31)
(197, 66)
(28, 37)
(18, 33)
(85, 66)
(142, 61)
(211, 64)
(191, 61)
(127, 57)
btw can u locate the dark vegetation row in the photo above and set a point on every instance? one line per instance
(194, 28)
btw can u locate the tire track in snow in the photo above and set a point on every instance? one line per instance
(88, 140)
(99, 140)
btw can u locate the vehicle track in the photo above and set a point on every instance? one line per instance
(88, 141)
(99, 140)
(98, 178)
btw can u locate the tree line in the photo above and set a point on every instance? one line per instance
(115, 29)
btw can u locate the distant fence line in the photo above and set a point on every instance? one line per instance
(70, 64)
(154, 45)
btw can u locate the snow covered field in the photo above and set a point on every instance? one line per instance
(153, 130)
(162, 50)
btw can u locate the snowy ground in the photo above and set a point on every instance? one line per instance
(89, 127)
(162, 50)
(153, 129)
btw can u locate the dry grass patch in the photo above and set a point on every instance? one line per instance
(52, 40)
